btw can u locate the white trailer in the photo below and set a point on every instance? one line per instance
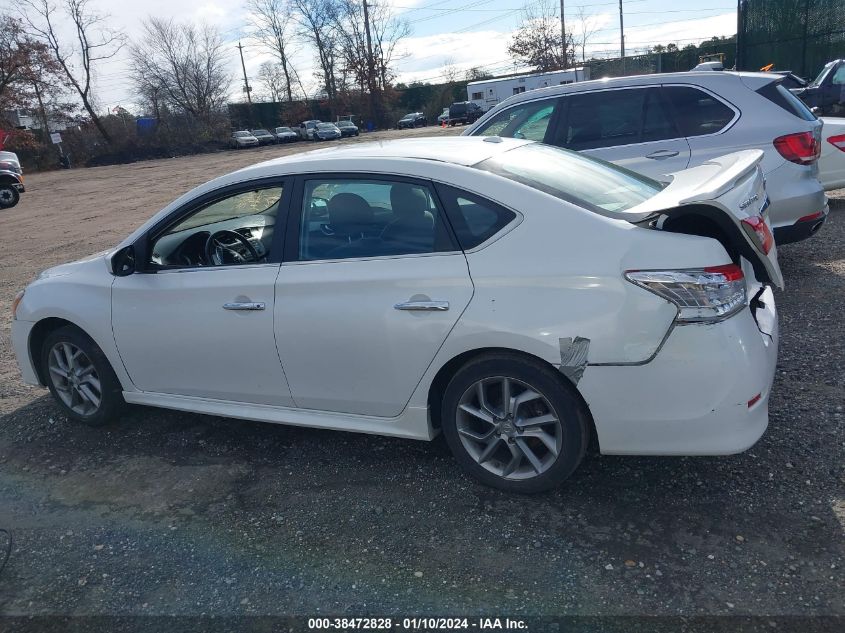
(488, 92)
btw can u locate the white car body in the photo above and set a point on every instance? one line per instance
(832, 159)
(330, 350)
(759, 111)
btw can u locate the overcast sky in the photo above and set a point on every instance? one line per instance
(466, 33)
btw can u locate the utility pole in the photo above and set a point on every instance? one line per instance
(375, 99)
(563, 35)
(246, 81)
(621, 37)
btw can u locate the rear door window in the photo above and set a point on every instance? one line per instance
(610, 118)
(697, 112)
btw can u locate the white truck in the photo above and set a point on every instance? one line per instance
(486, 93)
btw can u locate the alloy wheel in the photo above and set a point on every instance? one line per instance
(509, 428)
(75, 378)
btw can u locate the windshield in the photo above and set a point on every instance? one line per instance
(262, 132)
(344, 124)
(583, 180)
(242, 134)
(325, 126)
(820, 78)
(282, 130)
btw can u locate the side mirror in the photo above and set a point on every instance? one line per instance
(816, 110)
(122, 263)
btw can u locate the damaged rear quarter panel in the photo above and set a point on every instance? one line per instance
(559, 275)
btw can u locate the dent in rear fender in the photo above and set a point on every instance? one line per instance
(574, 355)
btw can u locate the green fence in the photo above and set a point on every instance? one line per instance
(796, 35)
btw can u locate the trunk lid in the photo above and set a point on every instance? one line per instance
(729, 192)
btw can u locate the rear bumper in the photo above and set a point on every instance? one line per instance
(802, 229)
(693, 397)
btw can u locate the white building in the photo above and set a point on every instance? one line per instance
(488, 92)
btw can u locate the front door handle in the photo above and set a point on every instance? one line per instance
(430, 306)
(662, 153)
(245, 305)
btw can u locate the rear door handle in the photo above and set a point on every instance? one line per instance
(662, 153)
(430, 306)
(246, 305)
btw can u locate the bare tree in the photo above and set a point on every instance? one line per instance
(94, 42)
(183, 66)
(538, 42)
(316, 22)
(587, 27)
(273, 26)
(271, 75)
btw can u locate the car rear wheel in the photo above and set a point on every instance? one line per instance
(9, 196)
(514, 424)
(80, 377)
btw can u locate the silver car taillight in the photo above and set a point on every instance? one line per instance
(701, 294)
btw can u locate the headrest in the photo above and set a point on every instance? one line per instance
(408, 201)
(349, 210)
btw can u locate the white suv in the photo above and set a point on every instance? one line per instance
(660, 124)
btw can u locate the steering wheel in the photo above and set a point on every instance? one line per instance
(216, 250)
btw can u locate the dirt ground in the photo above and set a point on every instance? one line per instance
(176, 513)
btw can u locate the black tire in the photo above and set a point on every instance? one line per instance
(111, 400)
(557, 391)
(9, 196)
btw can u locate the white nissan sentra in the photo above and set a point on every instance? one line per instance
(515, 296)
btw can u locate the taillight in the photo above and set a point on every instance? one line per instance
(837, 141)
(701, 294)
(802, 147)
(759, 232)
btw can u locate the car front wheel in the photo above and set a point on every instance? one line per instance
(514, 424)
(9, 196)
(80, 377)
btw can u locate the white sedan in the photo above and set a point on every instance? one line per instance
(517, 297)
(832, 159)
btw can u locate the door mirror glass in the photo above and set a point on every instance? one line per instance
(123, 262)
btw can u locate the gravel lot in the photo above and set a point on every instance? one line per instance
(173, 513)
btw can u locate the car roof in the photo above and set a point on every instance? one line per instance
(458, 150)
(696, 77)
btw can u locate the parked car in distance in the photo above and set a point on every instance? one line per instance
(826, 93)
(832, 159)
(306, 129)
(265, 137)
(326, 132)
(11, 180)
(285, 135)
(447, 248)
(443, 117)
(660, 124)
(243, 138)
(10, 160)
(412, 119)
(347, 128)
(464, 112)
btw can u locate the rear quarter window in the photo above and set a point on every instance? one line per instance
(474, 219)
(778, 94)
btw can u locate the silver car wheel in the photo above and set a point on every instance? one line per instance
(509, 428)
(75, 378)
(7, 195)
